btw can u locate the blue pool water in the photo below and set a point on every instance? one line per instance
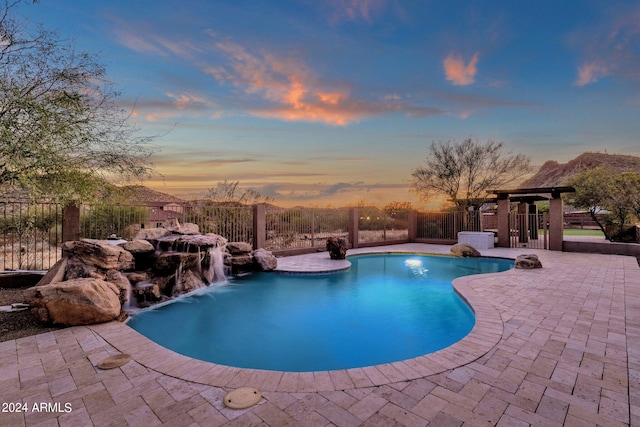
(384, 309)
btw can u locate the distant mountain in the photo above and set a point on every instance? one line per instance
(141, 194)
(553, 174)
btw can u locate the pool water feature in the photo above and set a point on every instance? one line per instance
(385, 308)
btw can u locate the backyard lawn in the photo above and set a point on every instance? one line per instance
(577, 232)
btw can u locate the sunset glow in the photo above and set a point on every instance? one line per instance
(335, 102)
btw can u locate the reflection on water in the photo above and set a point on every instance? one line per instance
(417, 267)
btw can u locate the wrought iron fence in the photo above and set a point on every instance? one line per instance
(446, 225)
(235, 223)
(31, 235)
(304, 227)
(99, 221)
(375, 225)
(529, 230)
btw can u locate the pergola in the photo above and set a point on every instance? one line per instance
(525, 197)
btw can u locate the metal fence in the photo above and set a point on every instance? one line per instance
(235, 223)
(304, 227)
(375, 225)
(446, 225)
(529, 230)
(101, 221)
(31, 234)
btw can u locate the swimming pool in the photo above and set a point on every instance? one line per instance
(385, 308)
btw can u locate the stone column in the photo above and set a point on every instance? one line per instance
(556, 222)
(504, 206)
(259, 226)
(70, 223)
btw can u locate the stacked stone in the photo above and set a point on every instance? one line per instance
(95, 278)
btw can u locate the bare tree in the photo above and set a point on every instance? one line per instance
(62, 132)
(466, 171)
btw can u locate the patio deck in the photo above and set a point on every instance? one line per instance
(554, 346)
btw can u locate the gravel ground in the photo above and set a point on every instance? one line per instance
(18, 324)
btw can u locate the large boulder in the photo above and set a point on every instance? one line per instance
(187, 282)
(186, 228)
(264, 259)
(138, 247)
(528, 262)
(171, 261)
(100, 253)
(119, 279)
(55, 274)
(75, 302)
(78, 269)
(239, 248)
(196, 242)
(151, 233)
(143, 253)
(337, 248)
(464, 250)
(241, 264)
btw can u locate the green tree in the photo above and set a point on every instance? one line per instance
(624, 200)
(62, 132)
(593, 189)
(604, 189)
(465, 171)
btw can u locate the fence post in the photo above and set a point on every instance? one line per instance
(412, 226)
(313, 228)
(70, 223)
(353, 227)
(259, 226)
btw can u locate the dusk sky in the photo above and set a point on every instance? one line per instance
(337, 101)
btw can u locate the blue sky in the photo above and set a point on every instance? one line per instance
(336, 101)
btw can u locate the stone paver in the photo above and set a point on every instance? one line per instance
(555, 346)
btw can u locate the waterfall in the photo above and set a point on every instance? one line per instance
(129, 301)
(177, 289)
(200, 259)
(215, 272)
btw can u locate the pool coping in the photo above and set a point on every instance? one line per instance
(485, 335)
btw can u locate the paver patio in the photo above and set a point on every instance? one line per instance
(554, 346)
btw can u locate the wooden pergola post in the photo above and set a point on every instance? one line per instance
(556, 222)
(526, 196)
(504, 230)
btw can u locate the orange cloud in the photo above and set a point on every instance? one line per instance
(331, 98)
(297, 94)
(278, 88)
(457, 72)
(591, 73)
